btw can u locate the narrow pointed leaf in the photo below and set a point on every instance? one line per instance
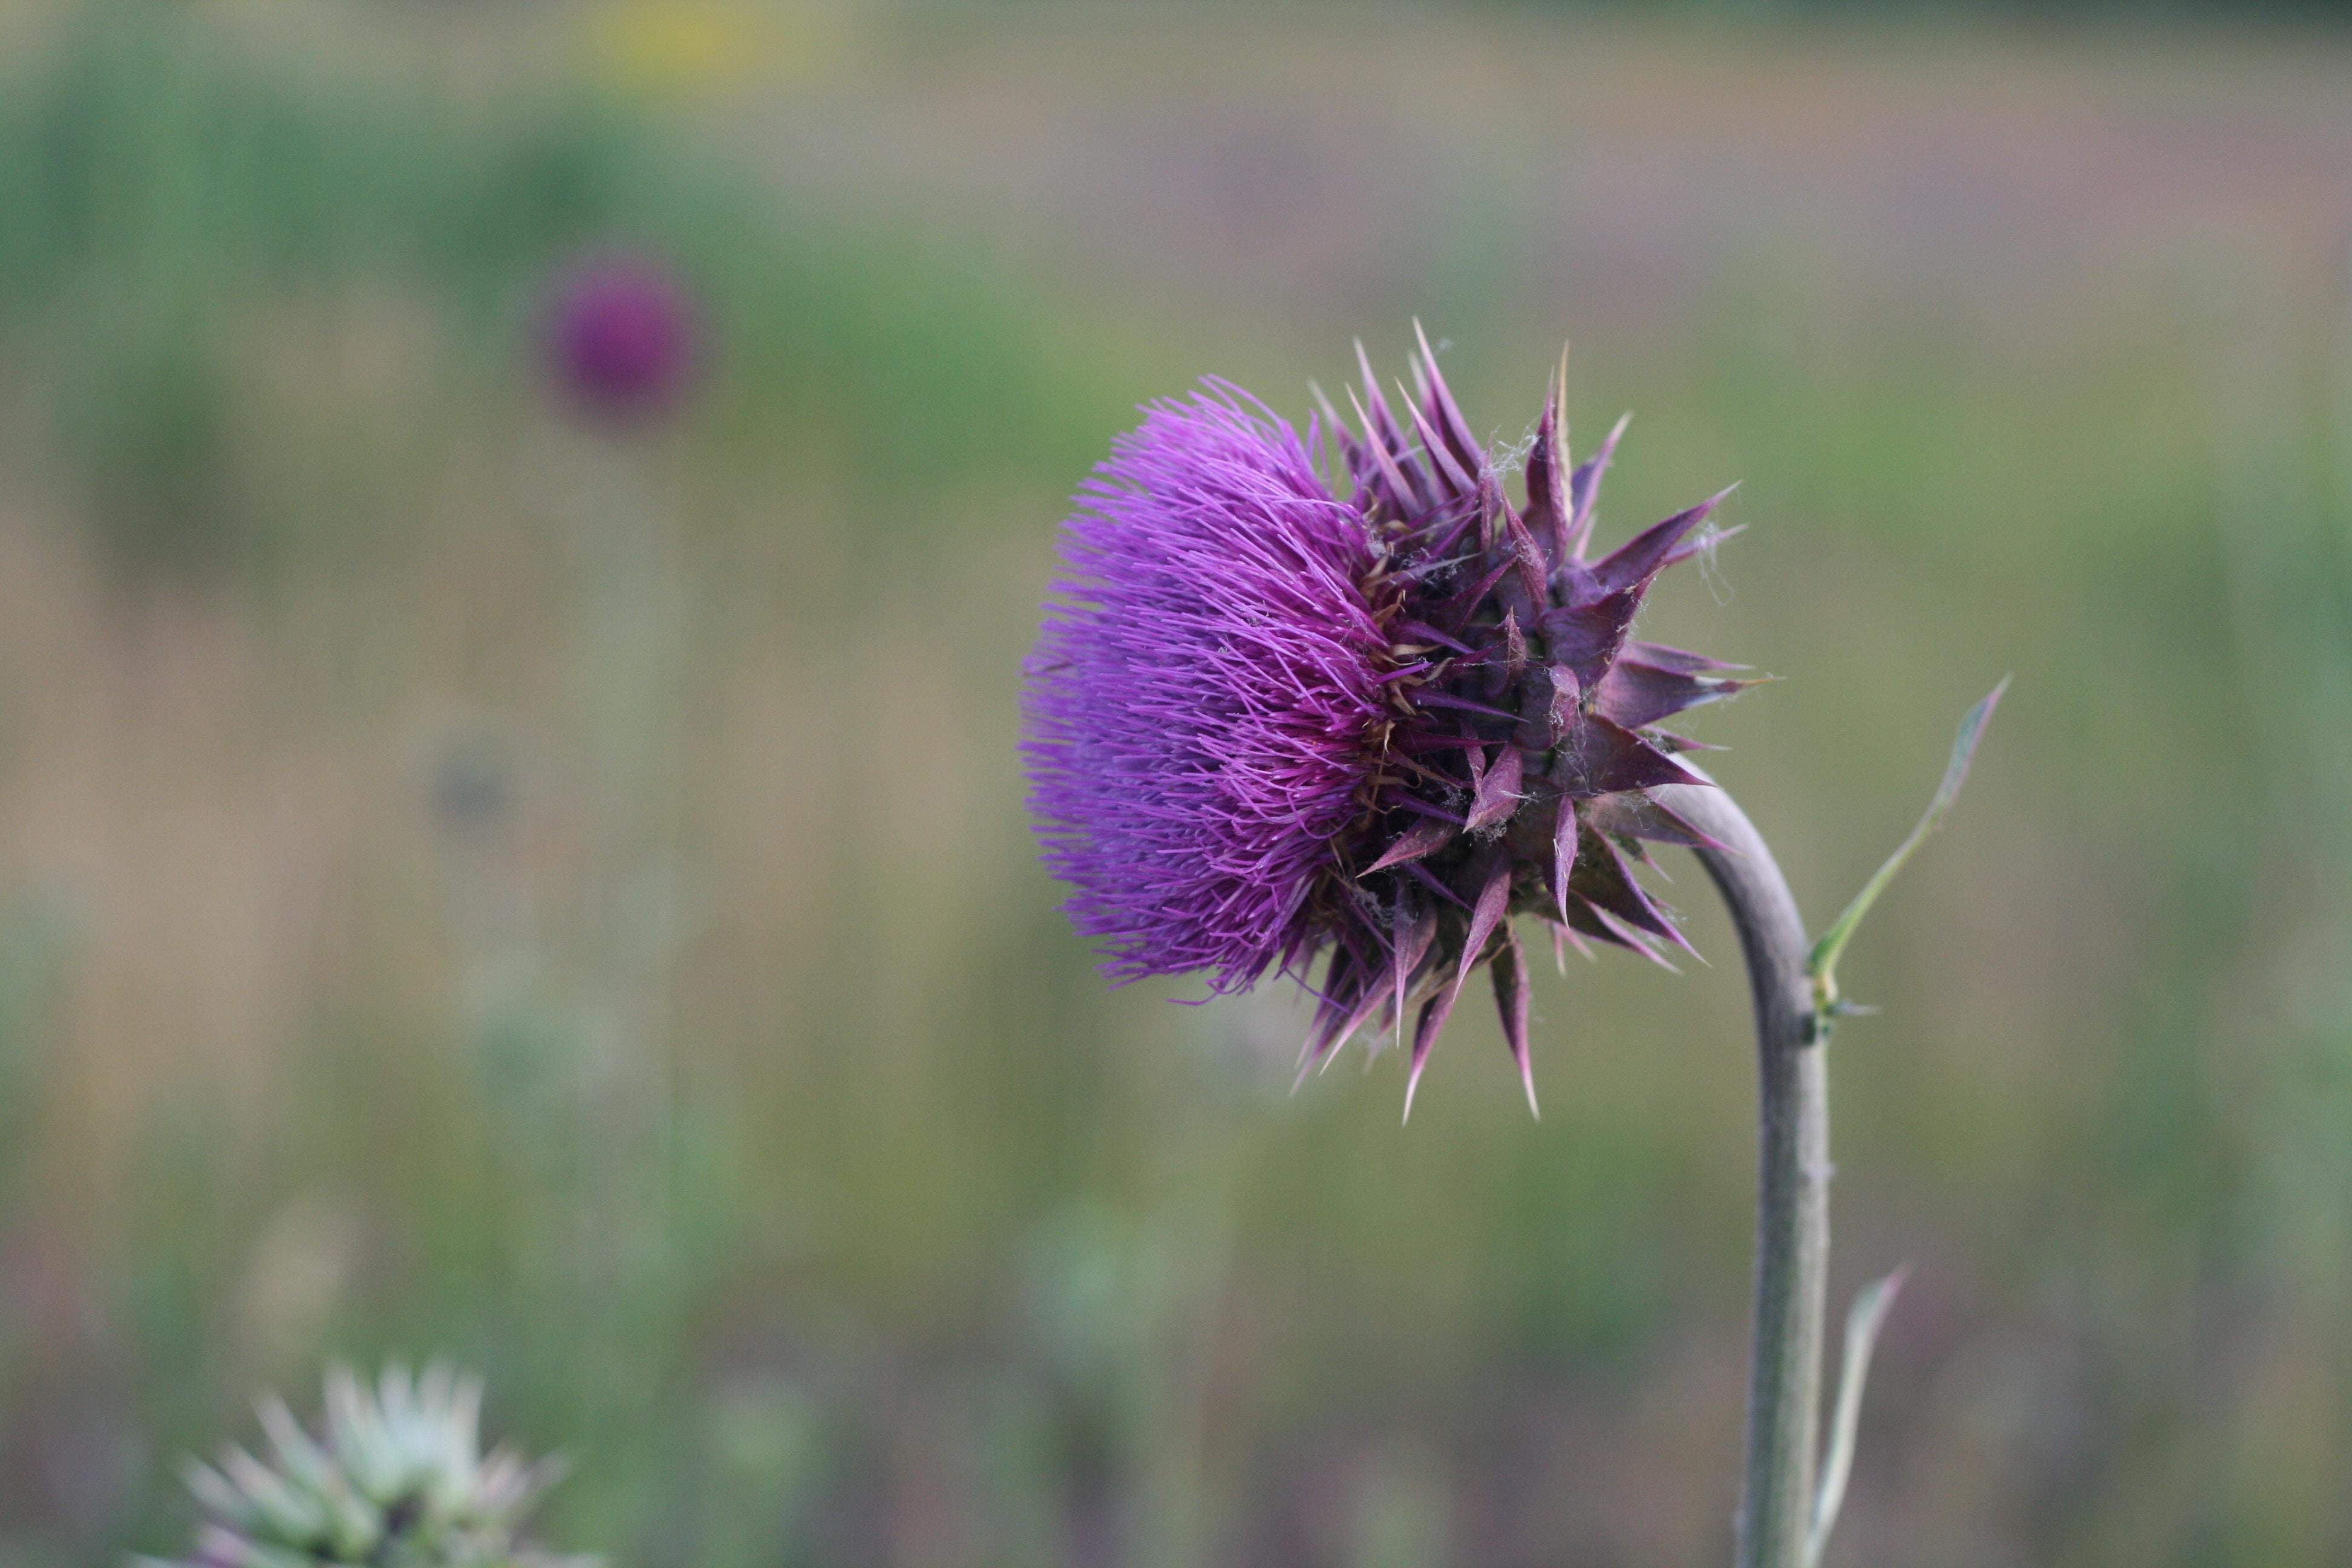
(1822, 962)
(1862, 1322)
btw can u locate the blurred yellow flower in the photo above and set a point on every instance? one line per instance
(689, 47)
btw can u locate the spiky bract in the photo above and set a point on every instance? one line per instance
(396, 1478)
(1269, 724)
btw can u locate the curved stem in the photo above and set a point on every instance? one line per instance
(1792, 1218)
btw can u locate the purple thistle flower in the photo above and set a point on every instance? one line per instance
(622, 339)
(1270, 725)
(1208, 705)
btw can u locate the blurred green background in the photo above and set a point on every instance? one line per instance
(473, 883)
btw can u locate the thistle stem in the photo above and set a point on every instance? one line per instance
(1792, 1218)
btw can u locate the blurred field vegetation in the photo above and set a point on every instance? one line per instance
(469, 883)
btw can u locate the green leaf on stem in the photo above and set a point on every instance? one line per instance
(1862, 1322)
(1822, 963)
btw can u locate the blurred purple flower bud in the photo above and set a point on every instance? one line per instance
(623, 341)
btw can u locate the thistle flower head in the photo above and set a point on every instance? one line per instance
(620, 337)
(1336, 698)
(396, 1478)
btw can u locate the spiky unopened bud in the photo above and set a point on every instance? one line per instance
(394, 1477)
